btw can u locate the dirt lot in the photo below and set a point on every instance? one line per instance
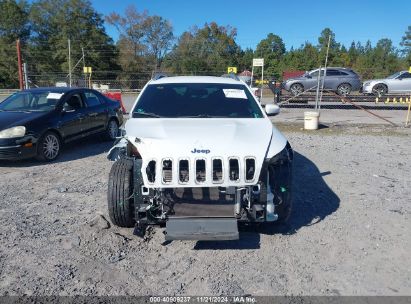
(349, 233)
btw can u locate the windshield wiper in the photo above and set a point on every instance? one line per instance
(202, 116)
(147, 114)
(19, 111)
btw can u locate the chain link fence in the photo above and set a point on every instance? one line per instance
(356, 108)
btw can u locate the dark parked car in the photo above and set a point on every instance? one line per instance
(340, 80)
(37, 122)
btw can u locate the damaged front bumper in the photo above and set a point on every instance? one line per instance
(208, 213)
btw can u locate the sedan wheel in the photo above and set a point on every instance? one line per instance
(112, 130)
(296, 89)
(344, 89)
(379, 90)
(49, 147)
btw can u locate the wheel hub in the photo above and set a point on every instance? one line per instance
(51, 146)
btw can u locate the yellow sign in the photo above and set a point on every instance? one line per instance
(87, 70)
(258, 81)
(409, 70)
(232, 70)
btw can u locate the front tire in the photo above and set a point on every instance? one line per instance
(120, 193)
(112, 130)
(48, 147)
(380, 89)
(344, 89)
(296, 89)
(284, 211)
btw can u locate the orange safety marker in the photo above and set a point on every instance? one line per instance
(117, 96)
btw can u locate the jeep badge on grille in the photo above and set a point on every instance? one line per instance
(200, 151)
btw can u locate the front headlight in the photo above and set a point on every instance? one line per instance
(366, 84)
(13, 132)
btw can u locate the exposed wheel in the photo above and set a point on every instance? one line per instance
(296, 88)
(280, 181)
(344, 89)
(120, 193)
(380, 89)
(112, 130)
(284, 211)
(48, 147)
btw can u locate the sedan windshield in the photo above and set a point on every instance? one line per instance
(197, 100)
(31, 101)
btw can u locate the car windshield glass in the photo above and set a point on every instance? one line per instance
(394, 75)
(29, 101)
(199, 100)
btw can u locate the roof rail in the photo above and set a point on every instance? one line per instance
(159, 75)
(231, 75)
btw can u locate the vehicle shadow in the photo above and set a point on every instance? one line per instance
(313, 201)
(78, 149)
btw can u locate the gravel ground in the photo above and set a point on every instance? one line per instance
(348, 234)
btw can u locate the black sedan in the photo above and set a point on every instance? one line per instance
(37, 122)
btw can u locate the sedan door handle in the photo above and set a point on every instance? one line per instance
(92, 114)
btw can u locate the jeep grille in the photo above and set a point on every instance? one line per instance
(183, 171)
(217, 170)
(200, 170)
(233, 169)
(167, 171)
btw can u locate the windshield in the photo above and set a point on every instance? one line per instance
(395, 75)
(29, 101)
(197, 100)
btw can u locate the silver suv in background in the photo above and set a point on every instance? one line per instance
(341, 80)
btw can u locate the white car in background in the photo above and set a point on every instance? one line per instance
(399, 82)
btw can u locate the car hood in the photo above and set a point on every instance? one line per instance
(376, 80)
(9, 119)
(296, 78)
(158, 139)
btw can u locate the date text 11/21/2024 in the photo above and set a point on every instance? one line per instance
(203, 299)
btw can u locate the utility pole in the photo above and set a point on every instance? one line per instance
(325, 71)
(317, 92)
(69, 61)
(26, 78)
(19, 64)
(84, 65)
(262, 84)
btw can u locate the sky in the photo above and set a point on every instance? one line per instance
(295, 21)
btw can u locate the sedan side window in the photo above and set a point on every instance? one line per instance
(315, 74)
(74, 103)
(333, 73)
(92, 99)
(405, 76)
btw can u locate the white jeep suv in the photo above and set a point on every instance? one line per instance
(199, 154)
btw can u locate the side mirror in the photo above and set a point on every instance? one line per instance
(272, 109)
(308, 76)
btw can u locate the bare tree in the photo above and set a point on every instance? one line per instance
(158, 36)
(146, 38)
